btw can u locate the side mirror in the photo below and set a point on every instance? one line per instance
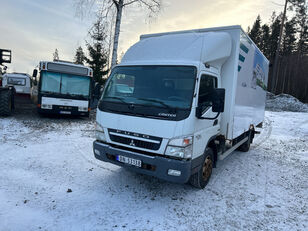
(34, 73)
(218, 100)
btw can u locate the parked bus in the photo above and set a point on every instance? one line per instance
(62, 88)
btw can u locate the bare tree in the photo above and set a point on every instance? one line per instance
(105, 7)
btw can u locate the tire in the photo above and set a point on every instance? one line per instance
(6, 102)
(246, 146)
(201, 178)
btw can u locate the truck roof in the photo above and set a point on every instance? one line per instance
(202, 30)
(188, 48)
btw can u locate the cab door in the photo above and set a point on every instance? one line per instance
(208, 126)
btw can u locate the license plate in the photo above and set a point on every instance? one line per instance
(65, 112)
(130, 161)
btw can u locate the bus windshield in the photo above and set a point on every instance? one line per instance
(60, 83)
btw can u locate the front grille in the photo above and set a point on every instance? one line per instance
(136, 142)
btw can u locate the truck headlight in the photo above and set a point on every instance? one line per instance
(180, 147)
(99, 132)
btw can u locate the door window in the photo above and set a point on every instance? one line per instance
(207, 84)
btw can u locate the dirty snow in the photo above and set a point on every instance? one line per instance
(284, 102)
(42, 158)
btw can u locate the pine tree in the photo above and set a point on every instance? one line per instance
(55, 55)
(97, 52)
(255, 33)
(80, 56)
(289, 38)
(274, 35)
(292, 62)
(301, 8)
(265, 39)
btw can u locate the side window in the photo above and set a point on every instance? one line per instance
(207, 84)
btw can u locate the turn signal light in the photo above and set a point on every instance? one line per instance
(186, 141)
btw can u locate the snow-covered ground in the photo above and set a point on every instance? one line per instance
(42, 159)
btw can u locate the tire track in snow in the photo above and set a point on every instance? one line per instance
(300, 125)
(265, 134)
(221, 171)
(84, 156)
(258, 141)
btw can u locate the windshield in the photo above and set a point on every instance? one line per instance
(16, 81)
(160, 86)
(53, 82)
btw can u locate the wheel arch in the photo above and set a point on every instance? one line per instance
(211, 144)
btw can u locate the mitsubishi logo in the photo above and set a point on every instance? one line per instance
(132, 143)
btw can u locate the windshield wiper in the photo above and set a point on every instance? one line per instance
(155, 101)
(115, 97)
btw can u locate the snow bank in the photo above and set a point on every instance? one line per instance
(284, 102)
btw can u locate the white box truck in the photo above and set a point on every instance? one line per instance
(180, 101)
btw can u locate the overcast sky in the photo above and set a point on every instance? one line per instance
(33, 29)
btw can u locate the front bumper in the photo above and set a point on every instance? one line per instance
(63, 111)
(157, 166)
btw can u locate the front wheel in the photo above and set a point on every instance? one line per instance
(201, 178)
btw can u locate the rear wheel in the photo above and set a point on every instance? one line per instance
(246, 146)
(201, 178)
(6, 102)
